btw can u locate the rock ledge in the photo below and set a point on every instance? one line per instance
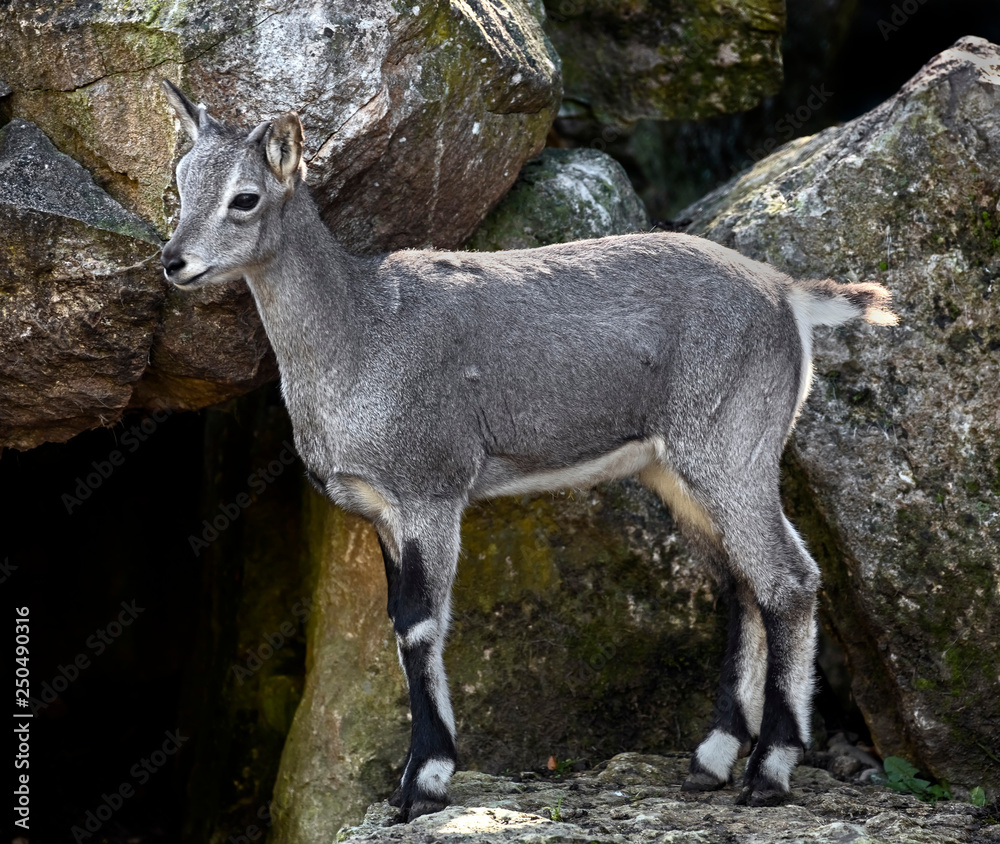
(637, 798)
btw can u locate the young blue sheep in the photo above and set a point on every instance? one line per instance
(419, 381)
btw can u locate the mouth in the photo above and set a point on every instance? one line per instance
(189, 281)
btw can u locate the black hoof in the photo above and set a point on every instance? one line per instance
(413, 802)
(703, 781)
(426, 806)
(761, 796)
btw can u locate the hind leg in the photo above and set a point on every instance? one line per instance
(767, 678)
(737, 716)
(788, 610)
(738, 707)
(420, 584)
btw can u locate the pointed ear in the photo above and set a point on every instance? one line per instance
(257, 134)
(284, 147)
(187, 112)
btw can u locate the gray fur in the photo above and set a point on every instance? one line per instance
(419, 381)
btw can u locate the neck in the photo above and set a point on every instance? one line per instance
(303, 294)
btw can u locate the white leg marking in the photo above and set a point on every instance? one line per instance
(434, 775)
(717, 753)
(778, 764)
(402, 664)
(799, 681)
(752, 668)
(423, 631)
(437, 680)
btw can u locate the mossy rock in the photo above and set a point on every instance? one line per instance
(667, 60)
(560, 196)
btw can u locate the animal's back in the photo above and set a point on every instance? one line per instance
(563, 353)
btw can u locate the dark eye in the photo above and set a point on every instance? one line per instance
(244, 201)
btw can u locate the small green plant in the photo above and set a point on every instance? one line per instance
(901, 776)
(555, 812)
(560, 768)
(977, 797)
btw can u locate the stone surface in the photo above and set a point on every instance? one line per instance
(649, 58)
(560, 196)
(894, 471)
(635, 798)
(209, 346)
(86, 311)
(80, 294)
(417, 117)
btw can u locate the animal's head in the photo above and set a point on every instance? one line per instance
(233, 186)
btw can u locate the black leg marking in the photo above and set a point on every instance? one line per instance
(411, 602)
(728, 713)
(419, 613)
(391, 576)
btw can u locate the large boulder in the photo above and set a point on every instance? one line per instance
(673, 163)
(85, 308)
(894, 471)
(563, 195)
(80, 302)
(417, 118)
(649, 58)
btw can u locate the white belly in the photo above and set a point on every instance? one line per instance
(623, 462)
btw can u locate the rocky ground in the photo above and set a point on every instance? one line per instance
(637, 798)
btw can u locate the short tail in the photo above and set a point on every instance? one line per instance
(831, 303)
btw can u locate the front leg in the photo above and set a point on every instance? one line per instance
(420, 606)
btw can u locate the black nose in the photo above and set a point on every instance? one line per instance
(172, 264)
